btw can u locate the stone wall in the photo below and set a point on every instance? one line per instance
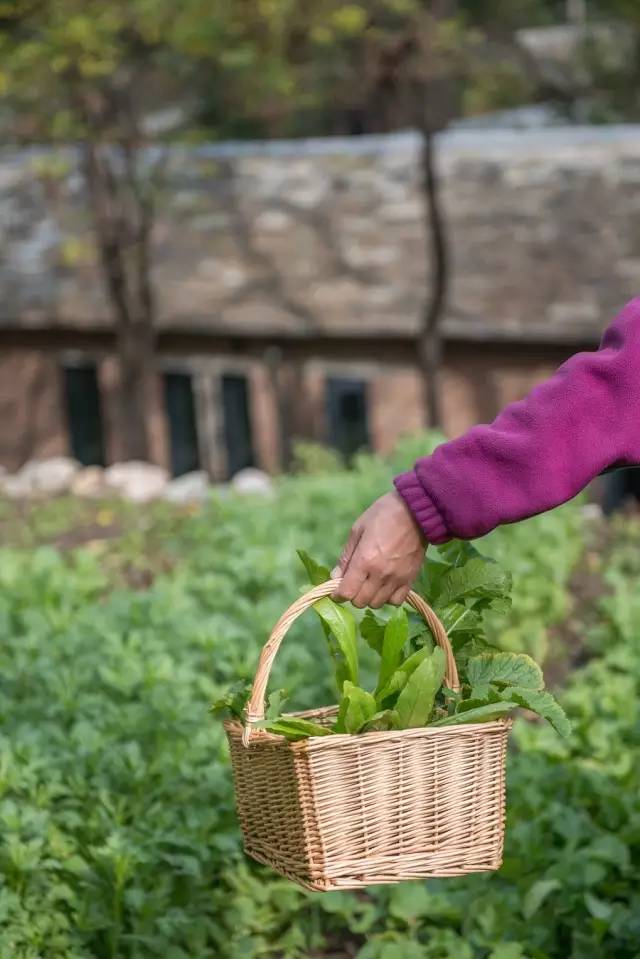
(321, 245)
(32, 414)
(476, 383)
(329, 235)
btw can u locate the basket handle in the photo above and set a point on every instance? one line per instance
(256, 706)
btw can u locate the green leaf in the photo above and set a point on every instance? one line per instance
(399, 679)
(419, 632)
(409, 901)
(416, 700)
(542, 703)
(512, 669)
(478, 576)
(508, 950)
(234, 701)
(395, 638)
(357, 707)
(293, 728)
(610, 848)
(429, 578)
(275, 702)
(380, 721)
(480, 714)
(537, 894)
(372, 631)
(460, 619)
(339, 725)
(481, 696)
(500, 604)
(458, 552)
(423, 640)
(598, 908)
(342, 625)
(315, 571)
(412, 662)
(397, 682)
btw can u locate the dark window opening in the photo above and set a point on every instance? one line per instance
(84, 414)
(621, 486)
(183, 429)
(237, 424)
(347, 415)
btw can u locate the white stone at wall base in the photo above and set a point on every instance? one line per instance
(14, 487)
(591, 511)
(89, 483)
(136, 481)
(253, 481)
(49, 477)
(190, 488)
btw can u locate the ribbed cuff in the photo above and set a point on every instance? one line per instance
(423, 508)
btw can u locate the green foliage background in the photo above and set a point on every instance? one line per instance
(118, 836)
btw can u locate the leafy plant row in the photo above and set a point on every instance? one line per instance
(118, 835)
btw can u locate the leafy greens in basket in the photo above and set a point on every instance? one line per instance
(460, 585)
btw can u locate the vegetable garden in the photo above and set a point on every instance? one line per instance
(118, 836)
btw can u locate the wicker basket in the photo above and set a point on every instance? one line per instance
(341, 812)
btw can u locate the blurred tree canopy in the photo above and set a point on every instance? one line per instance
(611, 63)
(120, 80)
(81, 71)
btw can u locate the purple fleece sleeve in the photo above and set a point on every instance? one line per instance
(540, 451)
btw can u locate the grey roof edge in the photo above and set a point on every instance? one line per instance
(453, 331)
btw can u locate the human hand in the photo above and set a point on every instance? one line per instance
(383, 555)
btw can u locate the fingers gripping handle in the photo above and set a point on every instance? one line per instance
(255, 710)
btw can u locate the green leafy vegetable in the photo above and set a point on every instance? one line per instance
(395, 638)
(397, 682)
(479, 714)
(465, 587)
(537, 894)
(513, 669)
(477, 576)
(460, 619)
(293, 727)
(400, 676)
(382, 721)
(316, 572)
(117, 798)
(342, 627)
(234, 700)
(358, 707)
(275, 703)
(372, 630)
(542, 703)
(416, 700)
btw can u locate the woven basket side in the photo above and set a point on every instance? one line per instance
(407, 807)
(272, 789)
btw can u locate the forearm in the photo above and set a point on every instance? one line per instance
(539, 452)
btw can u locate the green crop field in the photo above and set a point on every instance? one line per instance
(118, 839)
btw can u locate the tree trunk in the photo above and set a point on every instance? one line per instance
(430, 337)
(122, 219)
(281, 393)
(136, 347)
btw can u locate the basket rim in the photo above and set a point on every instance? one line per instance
(236, 727)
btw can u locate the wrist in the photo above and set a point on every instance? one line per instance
(422, 507)
(409, 514)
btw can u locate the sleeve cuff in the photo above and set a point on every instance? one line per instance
(425, 511)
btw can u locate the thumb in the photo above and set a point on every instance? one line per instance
(347, 553)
